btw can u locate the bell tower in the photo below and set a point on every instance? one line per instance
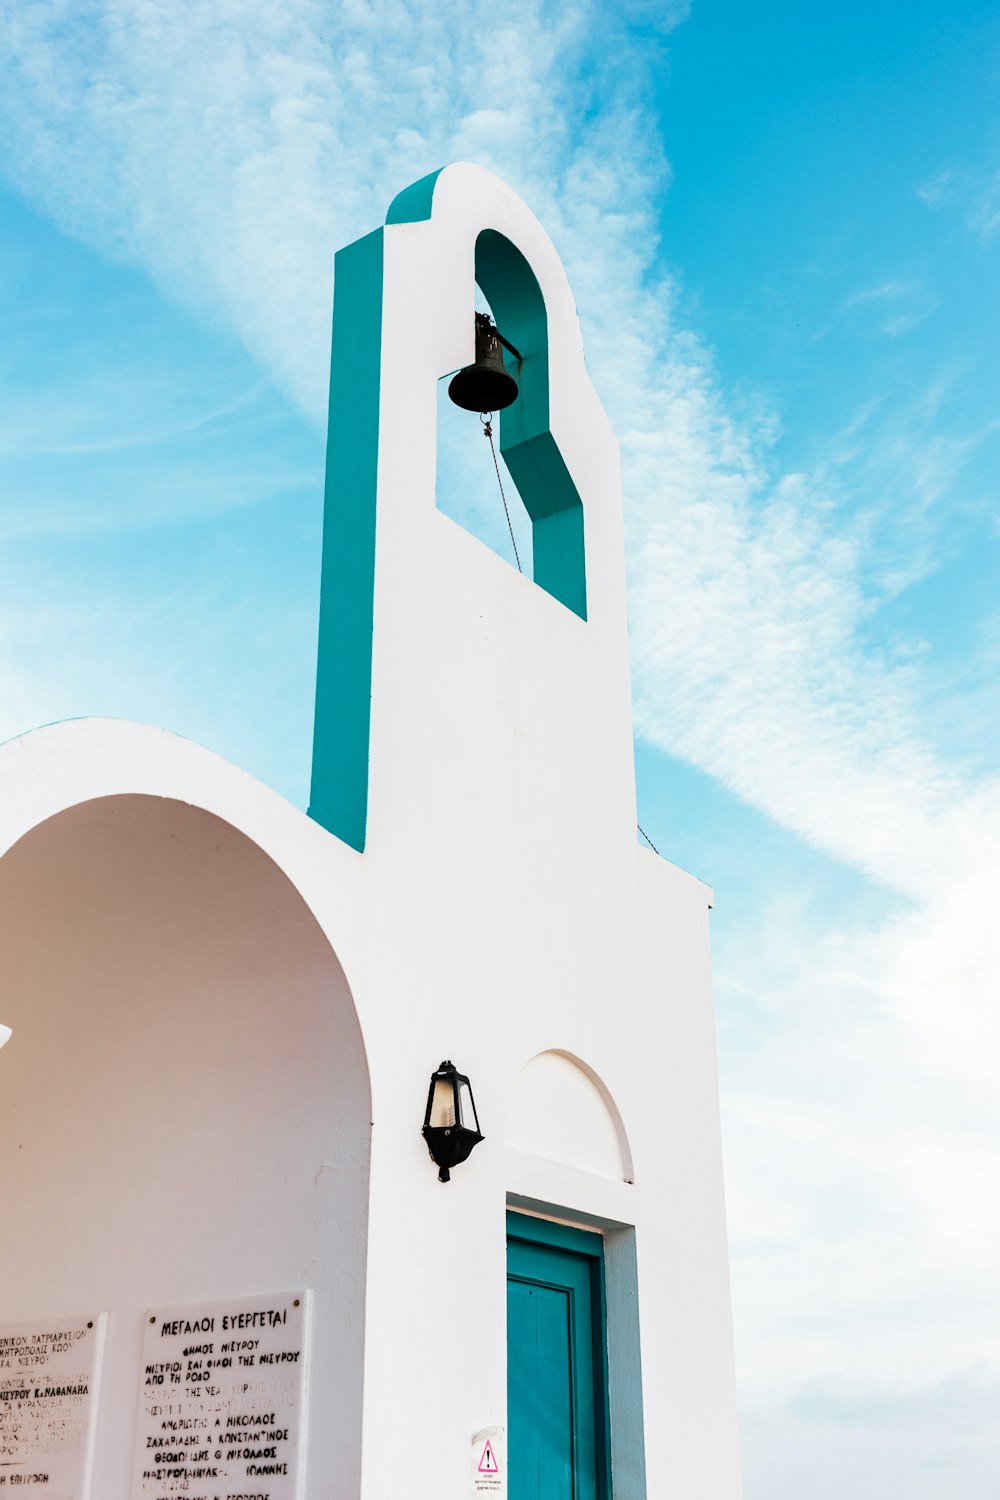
(430, 652)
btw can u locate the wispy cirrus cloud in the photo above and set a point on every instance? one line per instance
(909, 300)
(975, 194)
(228, 153)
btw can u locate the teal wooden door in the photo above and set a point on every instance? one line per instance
(557, 1426)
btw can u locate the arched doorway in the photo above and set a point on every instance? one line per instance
(185, 1106)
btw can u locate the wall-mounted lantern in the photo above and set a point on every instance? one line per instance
(451, 1125)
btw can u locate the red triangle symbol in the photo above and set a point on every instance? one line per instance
(488, 1463)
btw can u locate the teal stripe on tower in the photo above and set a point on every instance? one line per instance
(339, 794)
(415, 202)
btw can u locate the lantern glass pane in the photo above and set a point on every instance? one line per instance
(467, 1109)
(443, 1103)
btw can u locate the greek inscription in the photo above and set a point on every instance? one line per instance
(226, 1409)
(47, 1377)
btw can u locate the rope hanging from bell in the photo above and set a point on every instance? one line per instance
(484, 417)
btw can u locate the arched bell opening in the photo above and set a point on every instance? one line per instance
(185, 1108)
(470, 473)
(543, 502)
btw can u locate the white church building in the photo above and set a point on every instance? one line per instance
(229, 1269)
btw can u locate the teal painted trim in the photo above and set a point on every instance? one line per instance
(415, 202)
(339, 794)
(561, 1236)
(559, 564)
(530, 1243)
(531, 453)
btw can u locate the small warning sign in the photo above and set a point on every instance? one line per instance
(489, 1463)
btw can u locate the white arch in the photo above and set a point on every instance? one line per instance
(187, 1114)
(48, 770)
(561, 1109)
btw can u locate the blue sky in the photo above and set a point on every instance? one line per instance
(782, 223)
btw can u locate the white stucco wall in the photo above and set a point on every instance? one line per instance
(502, 912)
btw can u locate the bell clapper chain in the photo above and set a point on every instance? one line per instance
(486, 417)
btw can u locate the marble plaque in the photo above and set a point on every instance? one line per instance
(48, 1378)
(222, 1400)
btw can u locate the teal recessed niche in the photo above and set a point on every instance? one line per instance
(530, 452)
(339, 793)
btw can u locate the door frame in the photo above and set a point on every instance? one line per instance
(589, 1245)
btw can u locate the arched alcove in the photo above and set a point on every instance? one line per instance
(535, 464)
(531, 453)
(560, 1109)
(185, 1107)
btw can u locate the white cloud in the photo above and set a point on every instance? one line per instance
(984, 212)
(862, 1134)
(885, 290)
(975, 193)
(232, 180)
(938, 188)
(910, 297)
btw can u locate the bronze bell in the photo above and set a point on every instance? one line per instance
(486, 385)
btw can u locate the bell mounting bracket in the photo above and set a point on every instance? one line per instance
(487, 324)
